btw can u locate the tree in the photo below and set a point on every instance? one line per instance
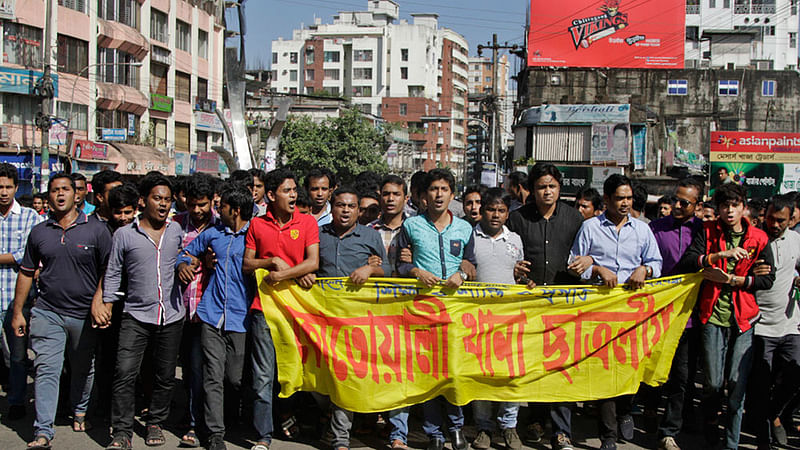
(348, 145)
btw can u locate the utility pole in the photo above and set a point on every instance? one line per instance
(44, 89)
(495, 100)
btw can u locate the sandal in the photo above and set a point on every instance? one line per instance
(40, 442)
(290, 428)
(190, 439)
(80, 424)
(120, 442)
(155, 436)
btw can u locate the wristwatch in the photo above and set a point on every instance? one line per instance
(463, 275)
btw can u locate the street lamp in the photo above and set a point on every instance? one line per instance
(75, 83)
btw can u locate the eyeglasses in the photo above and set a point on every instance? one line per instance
(684, 203)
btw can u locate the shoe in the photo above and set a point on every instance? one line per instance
(609, 444)
(482, 441)
(512, 439)
(668, 443)
(535, 432)
(398, 444)
(626, 427)
(215, 442)
(16, 412)
(779, 435)
(458, 440)
(562, 442)
(436, 444)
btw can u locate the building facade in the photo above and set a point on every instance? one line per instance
(397, 70)
(141, 75)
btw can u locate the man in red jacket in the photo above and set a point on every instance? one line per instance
(726, 250)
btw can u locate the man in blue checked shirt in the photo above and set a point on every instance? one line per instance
(224, 306)
(16, 223)
(440, 244)
(623, 250)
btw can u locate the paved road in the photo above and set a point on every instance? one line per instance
(14, 435)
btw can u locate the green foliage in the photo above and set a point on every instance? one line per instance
(348, 145)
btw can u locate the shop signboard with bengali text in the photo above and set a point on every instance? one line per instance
(160, 102)
(22, 81)
(644, 34)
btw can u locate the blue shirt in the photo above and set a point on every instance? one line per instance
(326, 217)
(227, 297)
(14, 230)
(340, 256)
(438, 253)
(634, 246)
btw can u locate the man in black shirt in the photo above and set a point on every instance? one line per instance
(548, 228)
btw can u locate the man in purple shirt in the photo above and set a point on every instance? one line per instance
(674, 236)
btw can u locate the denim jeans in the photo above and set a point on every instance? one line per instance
(398, 419)
(192, 364)
(433, 417)
(724, 346)
(561, 418)
(612, 411)
(771, 356)
(134, 337)
(15, 353)
(675, 388)
(222, 372)
(506, 414)
(53, 334)
(341, 423)
(262, 357)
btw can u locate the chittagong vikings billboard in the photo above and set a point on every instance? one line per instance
(645, 34)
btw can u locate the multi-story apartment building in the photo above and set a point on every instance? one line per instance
(741, 33)
(151, 67)
(396, 70)
(480, 88)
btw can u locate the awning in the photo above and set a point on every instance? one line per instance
(122, 98)
(140, 159)
(118, 35)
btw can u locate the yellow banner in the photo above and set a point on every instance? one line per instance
(393, 342)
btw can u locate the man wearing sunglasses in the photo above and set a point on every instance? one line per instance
(674, 236)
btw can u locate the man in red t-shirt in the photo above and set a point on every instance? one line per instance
(287, 244)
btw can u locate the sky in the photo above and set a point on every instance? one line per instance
(475, 20)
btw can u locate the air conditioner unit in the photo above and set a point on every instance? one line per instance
(764, 65)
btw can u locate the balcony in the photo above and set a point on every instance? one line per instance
(763, 9)
(118, 96)
(692, 9)
(120, 36)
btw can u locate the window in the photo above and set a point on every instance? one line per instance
(729, 125)
(310, 56)
(488, 79)
(158, 78)
(362, 73)
(292, 75)
(202, 139)
(477, 79)
(202, 44)
(115, 66)
(768, 88)
(331, 57)
(362, 55)
(159, 26)
(712, 3)
(274, 58)
(332, 74)
(274, 76)
(183, 36)
(792, 40)
(416, 91)
(726, 4)
(309, 74)
(728, 88)
(293, 90)
(77, 5)
(362, 91)
(404, 54)
(366, 108)
(677, 87)
(22, 45)
(116, 119)
(332, 90)
(19, 109)
(182, 137)
(693, 33)
(202, 87)
(122, 11)
(76, 115)
(293, 58)
(794, 7)
(73, 56)
(403, 109)
(404, 73)
(183, 87)
(160, 55)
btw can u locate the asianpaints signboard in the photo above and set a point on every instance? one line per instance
(607, 33)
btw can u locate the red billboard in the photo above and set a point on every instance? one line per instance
(643, 34)
(755, 147)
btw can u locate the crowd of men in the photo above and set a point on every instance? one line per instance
(112, 296)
